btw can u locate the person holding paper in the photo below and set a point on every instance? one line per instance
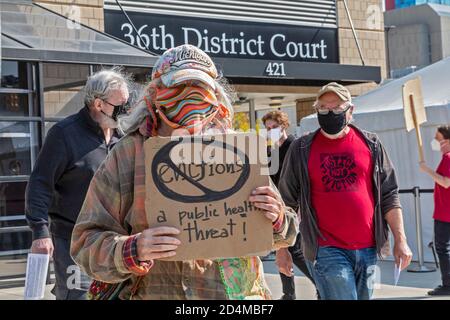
(344, 186)
(73, 150)
(111, 240)
(441, 177)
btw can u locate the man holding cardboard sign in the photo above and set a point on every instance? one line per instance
(181, 215)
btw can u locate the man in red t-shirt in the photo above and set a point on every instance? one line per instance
(441, 177)
(341, 190)
(344, 186)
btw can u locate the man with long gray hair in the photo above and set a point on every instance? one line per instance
(73, 150)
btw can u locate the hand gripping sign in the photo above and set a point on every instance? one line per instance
(201, 185)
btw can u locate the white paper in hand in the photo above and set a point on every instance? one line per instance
(397, 271)
(37, 266)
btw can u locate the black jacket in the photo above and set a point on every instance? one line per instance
(281, 153)
(294, 187)
(73, 150)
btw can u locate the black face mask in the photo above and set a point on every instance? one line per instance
(332, 123)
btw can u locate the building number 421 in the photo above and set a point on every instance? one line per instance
(275, 69)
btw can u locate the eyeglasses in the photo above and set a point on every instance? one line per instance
(124, 106)
(340, 109)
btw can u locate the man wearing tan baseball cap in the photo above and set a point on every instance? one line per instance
(341, 91)
(333, 178)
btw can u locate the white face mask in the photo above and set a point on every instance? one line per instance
(435, 145)
(275, 134)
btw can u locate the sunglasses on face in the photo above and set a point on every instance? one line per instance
(124, 106)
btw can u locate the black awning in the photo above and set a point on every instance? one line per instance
(33, 33)
(296, 73)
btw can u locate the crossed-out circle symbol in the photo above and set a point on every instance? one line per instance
(163, 157)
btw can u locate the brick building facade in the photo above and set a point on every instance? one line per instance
(367, 18)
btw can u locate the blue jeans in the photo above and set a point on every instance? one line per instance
(342, 274)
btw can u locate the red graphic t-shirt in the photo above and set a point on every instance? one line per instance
(341, 172)
(442, 195)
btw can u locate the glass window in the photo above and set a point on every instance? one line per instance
(14, 105)
(61, 103)
(63, 84)
(12, 210)
(14, 75)
(19, 141)
(18, 147)
(12, 205)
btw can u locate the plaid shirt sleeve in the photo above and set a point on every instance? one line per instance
(285, 228)
(129, 251)
(278, 224)
(101, 244)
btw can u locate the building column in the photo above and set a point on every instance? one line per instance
(368, 21)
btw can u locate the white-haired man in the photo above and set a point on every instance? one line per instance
(73, 150)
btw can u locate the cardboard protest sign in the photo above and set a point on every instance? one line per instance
(414, 110)
(200, 185)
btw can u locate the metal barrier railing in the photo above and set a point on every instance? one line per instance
(416, 191)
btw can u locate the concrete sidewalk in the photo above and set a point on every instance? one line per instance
(412, 286)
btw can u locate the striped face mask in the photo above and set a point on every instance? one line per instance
(187, 107)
